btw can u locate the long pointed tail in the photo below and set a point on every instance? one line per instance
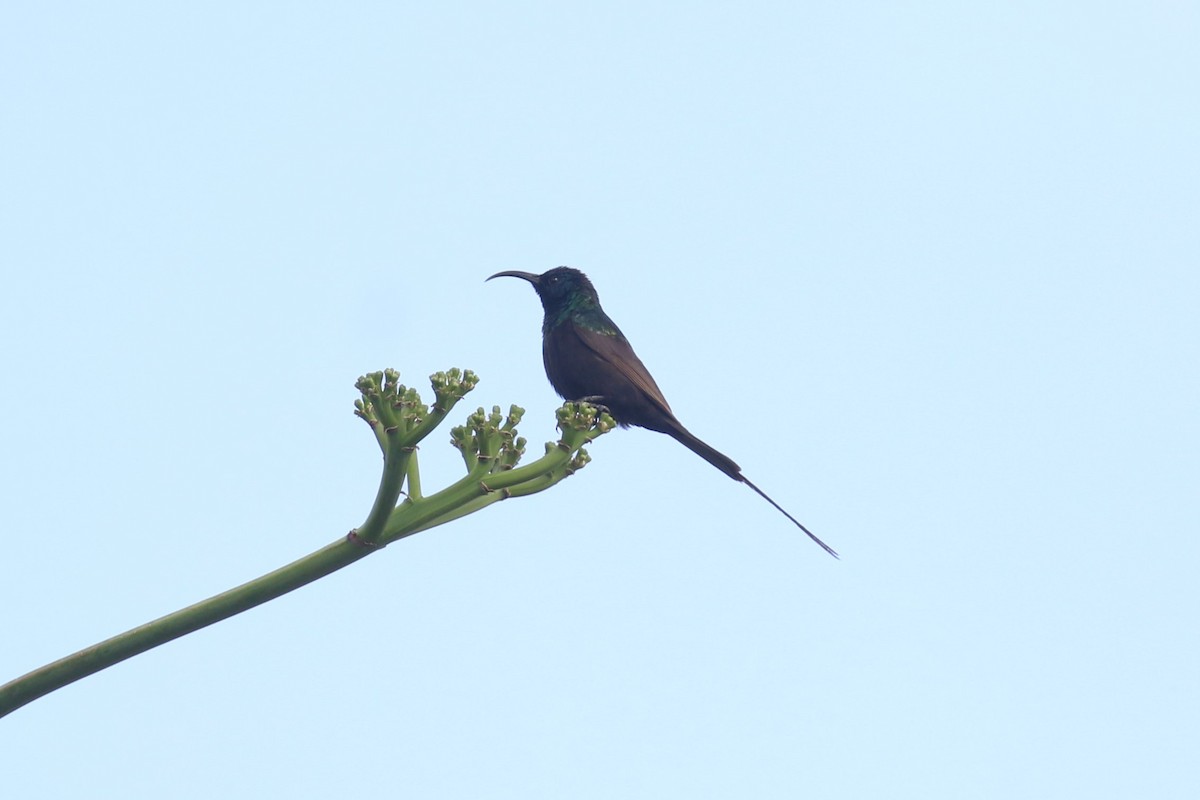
(730, 468)
(795, 521)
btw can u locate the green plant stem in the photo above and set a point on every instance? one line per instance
(395, 469)
(489, 480)
(464, 496)
(414, 478)
(180, 623)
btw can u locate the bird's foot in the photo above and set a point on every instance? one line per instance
(595, 400)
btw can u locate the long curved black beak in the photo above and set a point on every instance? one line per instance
(529, 276)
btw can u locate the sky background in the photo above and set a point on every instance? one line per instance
(927, 271)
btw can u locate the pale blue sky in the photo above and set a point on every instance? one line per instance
(927, 271)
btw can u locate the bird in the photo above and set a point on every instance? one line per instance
(588, 359)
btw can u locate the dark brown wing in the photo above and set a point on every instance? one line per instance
(635, 399)
(615, 350)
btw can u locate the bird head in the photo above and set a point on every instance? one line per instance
(559, 288)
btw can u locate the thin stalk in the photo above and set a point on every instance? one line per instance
(67, 670)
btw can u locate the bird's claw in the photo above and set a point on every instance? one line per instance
(594, 401)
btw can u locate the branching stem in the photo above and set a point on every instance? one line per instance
(399, 421)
